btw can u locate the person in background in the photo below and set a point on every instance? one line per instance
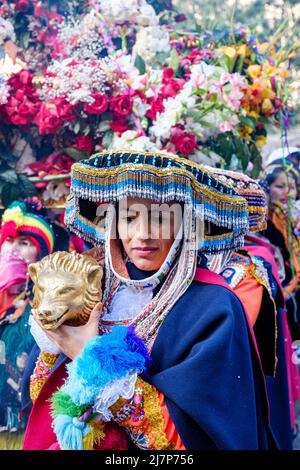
(25, 237)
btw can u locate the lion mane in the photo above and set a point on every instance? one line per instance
(73, 263)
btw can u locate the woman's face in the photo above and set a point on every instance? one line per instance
(147, 230)
(22, 245)
(283, 187)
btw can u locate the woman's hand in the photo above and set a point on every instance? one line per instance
(72, 339)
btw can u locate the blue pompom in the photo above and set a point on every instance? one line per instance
(70, 432)
(105, 359)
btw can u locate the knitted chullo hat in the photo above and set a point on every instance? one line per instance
(109, 176)
(17, 220)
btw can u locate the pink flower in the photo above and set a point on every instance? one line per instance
(226, 126)
(199, 79)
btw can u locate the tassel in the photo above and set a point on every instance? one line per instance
(70, 432)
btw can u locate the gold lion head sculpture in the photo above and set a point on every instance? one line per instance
(67, 286)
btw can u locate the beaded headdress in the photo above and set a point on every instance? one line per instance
(256, 198)
(252, 191)
(112, 175)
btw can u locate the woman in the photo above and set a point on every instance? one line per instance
(202, 356)
(25, 238)
(280, 183)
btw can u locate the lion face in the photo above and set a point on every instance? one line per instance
(67, 286)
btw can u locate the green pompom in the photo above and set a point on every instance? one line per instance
(20, 204)
(62, 404)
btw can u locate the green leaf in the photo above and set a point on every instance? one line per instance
(238, 66)
(199, 91)
(226, 62)
(24, 40)
(194, 114)
(9, 193)
(140, 64)
(257, 165)
(209, 125)
(174, 60)
(6, 155)
(248, 121)
(242, 152)
(161, 57)
(9, 176)
(74, 153)
(107, 139)
(26, 187)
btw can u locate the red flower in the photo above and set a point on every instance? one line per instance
(157, 106)
(25, 77)
(19, 109)
(66, 111)
(22, 5)
(119, 125)
(168, 74)
(99, 106)
(184, 142)
(121, 105)
(84, 143)
(172, 87)
(41, 35)
(48, 119)
(39, 10)
(22, 81)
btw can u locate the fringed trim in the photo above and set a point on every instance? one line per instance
(95, 436)
(161, 185)
(42, 370)
(122, 388)
(142, 418)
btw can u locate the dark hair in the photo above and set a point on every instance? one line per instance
(271, 177)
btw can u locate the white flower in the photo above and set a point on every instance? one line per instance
(149, 41)
(55, 191)
(140, 108)
(131, 140)
(82, 94)
(24, 151)
(134, 11)
(147, 16)
(6, 31)
(4, 89)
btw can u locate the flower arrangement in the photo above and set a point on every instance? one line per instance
(101, 74)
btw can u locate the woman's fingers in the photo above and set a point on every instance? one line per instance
(95, 313)
(34, 313)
